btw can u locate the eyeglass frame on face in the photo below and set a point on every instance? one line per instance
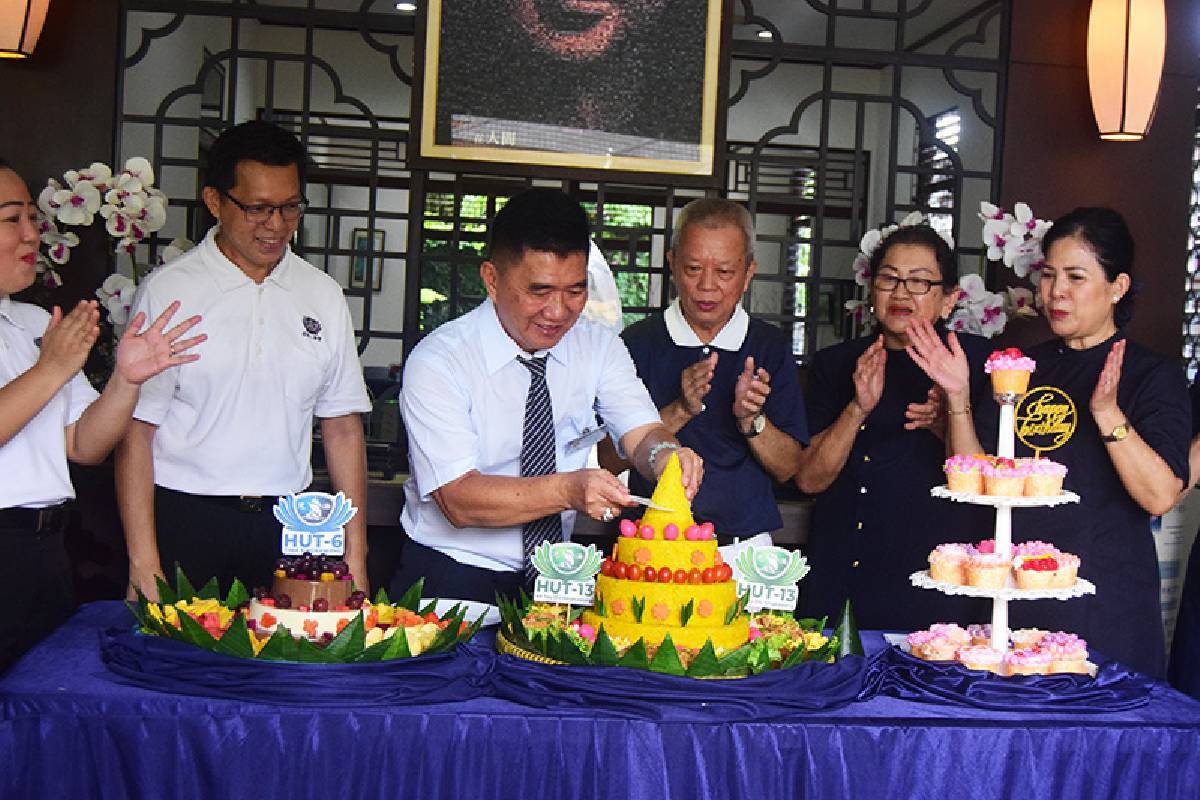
(266, 210)
(896, 280)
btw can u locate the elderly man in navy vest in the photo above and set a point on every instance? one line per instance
(724, 383)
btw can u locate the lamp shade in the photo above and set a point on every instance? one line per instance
(1127, 40)
(20, 26)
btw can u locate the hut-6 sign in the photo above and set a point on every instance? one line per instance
(314, 522)
(566, 573)
(769, 575)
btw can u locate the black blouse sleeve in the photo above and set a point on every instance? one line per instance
(1161, 412)
(827, 377)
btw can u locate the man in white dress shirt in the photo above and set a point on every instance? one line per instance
(466, 402)
(210, 450)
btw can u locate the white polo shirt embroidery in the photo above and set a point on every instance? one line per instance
(34, 461)
(239, 420)
(464, 407)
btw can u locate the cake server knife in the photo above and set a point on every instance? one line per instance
(646, 501)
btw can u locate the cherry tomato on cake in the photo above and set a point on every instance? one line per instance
(620, 570)
(634, 572)
(606, 567)
(695, 576)
(664, 575)
(681, 576)
(650, 575)
(708, 575)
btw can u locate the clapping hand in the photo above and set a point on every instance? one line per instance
(869, 376)
(1104, 397)
(751, 391)
(143, 354)
(945, 364)
(68, 339)
(929, 415)
(694, 383)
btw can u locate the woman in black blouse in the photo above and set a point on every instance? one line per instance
(875, 453)
(1124, 438)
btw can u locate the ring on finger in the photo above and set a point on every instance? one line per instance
(608, 515)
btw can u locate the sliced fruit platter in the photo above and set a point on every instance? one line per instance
(555, 634)
(202, 617)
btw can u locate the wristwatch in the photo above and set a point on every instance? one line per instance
(757, 426)
(1118, 433)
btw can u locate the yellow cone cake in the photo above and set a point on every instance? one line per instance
(666, 576)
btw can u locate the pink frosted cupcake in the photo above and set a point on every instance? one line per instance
(987, 546)
(1067, 573)
(1035, 547)
(940, 642)
(1068, 653)
(1045, 477)
(948, 563)
(980, 634)
(1027, 638)
(981, 657)
(1028, 662)
(964, 474)
(1004, 478)
(1010, 370)
(987, 571)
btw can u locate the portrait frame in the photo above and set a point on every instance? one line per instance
(472, 127)
(367, 245)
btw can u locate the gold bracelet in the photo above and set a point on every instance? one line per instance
(954, 413)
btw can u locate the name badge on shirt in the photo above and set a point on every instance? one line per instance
(589, 437)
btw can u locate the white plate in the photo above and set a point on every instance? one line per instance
(922, 581)
(490, 613)
(995, 500)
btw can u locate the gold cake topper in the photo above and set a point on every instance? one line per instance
(1046, 419)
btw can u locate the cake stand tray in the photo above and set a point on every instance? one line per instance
(998, 501)
(1082, 587)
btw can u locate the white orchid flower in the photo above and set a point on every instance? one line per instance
(116, 295)
(1019, 302)
(972, 288)
(77, 205)
(911, 219)
(154, 214)
(995, 237)
(45, 201)
(862, 269)
(141, 169)
(870, 241)
(989, 211)
(58, 246)
(51, 279)
(128, 183)
(178, 247)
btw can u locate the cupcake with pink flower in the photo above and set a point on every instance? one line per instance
(1026, 638)
(1010, 370)
(1031, 661)
(988, 571)
(948, 563)
(981, 657)
(964, 473)
(1044, 478)
(1034, 547)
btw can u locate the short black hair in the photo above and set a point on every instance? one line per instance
(1106, 234)
(545, 220)
(257, 140)
(4, 163)
(920, 235)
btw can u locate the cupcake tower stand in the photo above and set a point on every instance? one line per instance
(1004, 507)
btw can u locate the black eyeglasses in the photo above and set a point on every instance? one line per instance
(914, 286)
(261, 212)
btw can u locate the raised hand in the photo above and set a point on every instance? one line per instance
(945, 364)
(142, 355)
(751, 391)
(1104, 396)
(68, 339)
(694, 383)
(869, 376)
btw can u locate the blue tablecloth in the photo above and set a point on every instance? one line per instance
(69, 728)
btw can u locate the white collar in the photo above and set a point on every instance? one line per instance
(230, 276)
(729, 338)
(499, 349)
(6, 306)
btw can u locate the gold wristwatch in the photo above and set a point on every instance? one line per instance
(1118, 433)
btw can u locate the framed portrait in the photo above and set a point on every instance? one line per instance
(559, 87)
(367, 246)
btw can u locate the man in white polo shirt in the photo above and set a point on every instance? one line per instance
(498, 404)
(210, 450)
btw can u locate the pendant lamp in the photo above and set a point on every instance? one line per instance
(1127, 40)
(20, 26)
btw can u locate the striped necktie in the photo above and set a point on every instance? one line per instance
(537, 458)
